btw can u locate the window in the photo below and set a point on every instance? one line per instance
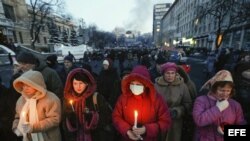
(9, 12)
(21, 37)
(15, 38)
(38, 39)
(45, 40)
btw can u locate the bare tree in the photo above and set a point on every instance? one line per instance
(226, 15)
(39, 11)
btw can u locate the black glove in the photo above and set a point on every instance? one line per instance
(173, 113)
(72, 118)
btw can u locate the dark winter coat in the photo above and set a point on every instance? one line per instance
(75, 122)
(152, 110)
(108, 84)
(176, 95)
(51, 78)
(8, 99)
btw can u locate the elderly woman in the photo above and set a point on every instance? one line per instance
(216, 109)
(176, 94)
(140, 112)
(38, 111)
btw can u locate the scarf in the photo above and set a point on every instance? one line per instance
(82, 133)
(29, 110)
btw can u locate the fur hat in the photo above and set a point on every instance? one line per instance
(52, 58)
(222, 75)
(26, 58)
(68, 58)
(169, 66)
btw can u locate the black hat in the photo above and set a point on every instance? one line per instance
(160, 60)
(52, 58)
(26, 58)
(69, 58)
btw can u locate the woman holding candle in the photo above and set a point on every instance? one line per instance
(84, 119)
(216, 109)
(176, 94)
(38, 111)
(140, 112)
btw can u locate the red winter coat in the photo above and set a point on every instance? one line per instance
(152, 110)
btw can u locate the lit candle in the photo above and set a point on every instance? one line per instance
(136, 117)
(71, 103)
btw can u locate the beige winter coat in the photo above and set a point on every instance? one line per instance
(48, 106)
(177, 96)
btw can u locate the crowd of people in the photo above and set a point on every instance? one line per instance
(147, 98)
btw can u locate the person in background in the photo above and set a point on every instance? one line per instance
(176, 94)
(67, 67)
(189, 127)
(28, 61)
(139, 95)
(53, 63)
(85, 120)
(213, 111)
(72, 56)
(108, 82)
(6, 113)
(38, 111)
(156, 70)
(10, 59)
(242, 84)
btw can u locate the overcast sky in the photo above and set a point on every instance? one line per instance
(108, 14)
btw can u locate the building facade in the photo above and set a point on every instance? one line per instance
(15, 17)
(180, 26)
(158, 13)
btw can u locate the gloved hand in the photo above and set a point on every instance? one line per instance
(27, 128)
(222, 105)
(17, 132)
(92, 124)
(219, 129)
(173, 113)
(71, 117)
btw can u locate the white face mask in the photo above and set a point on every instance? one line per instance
(136, 89)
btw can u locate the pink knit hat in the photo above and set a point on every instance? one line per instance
(169, 66)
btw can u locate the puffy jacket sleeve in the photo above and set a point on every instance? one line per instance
(52, 111)
(204, 113)
(239, 115)
(163, 119)
(186, 102)
(19, 105)
(120, 124)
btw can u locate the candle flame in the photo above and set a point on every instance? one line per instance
(71, 102)
(136, 113)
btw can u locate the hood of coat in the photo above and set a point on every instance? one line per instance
(141, 74)
(183, 74)
(40, 65)
(33, 79)
(161, 81)
(69, 92)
